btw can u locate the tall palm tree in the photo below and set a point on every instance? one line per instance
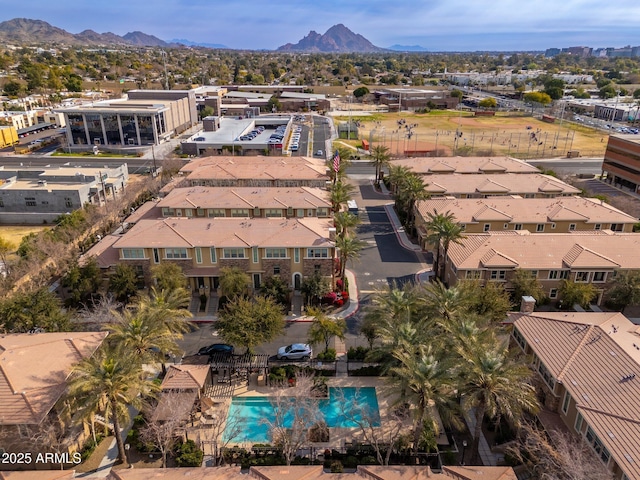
(168, 307)
(344, 223)
(349, 250)
(410, 191)
(397, 175)
(444, 303)
(396, 304)
(339, 194)
(426, 378)
(109, 382)
(380, 158)
(494, 383)
(442, 231)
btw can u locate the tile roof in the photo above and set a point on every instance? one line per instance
(183, 377)
(196, 473)
(465, 165)
(586, 249)
(517, 209)
(246, 197)
(228, 232)
(480, 473)
(499, 184)
(103, 252)
(34, 369)
(38, 475)
(594, 355)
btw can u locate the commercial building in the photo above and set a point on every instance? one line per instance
(415, 98)
(36, 195)
(537, 215)
(142, 119)
(587, 368)
(621, 166)
(595, 257)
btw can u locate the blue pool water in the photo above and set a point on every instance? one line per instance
(254, 413)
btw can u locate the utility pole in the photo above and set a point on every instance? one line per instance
(164, 61)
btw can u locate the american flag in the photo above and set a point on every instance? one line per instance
(336, 161)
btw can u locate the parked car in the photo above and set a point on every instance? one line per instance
(296, 351)
(216, 348)
(319, 153)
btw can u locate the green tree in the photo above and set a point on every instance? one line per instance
(554, 87)
(206, 112)
(109, 382)
(314, 287)
(82, 281)
(360, 92)
(13, 88)
(168, 276)
(496, 384)
(6, 248)
(488, 102)
(276, 288)
(490, 301)
(123, 282)
(168, 308)
(444, 303)
(636, 93)
(457, 93)
(625, 290)
(349, 249)
(409, 189)
(443, 230)
(577, 292)
(40, 308)
(525, 283)
(380, 157)
(274, 104)
(608, 91)
(234, 282)
(324, 328)
(73, 83)
(249, 322)
(537, 97)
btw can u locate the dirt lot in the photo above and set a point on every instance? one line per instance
(461, 133)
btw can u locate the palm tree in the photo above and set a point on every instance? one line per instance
(110, 381)
(339, 194)
(444, 303)
(395, 304)
(324, 328)
(625, 290)
(397, 176)
(168, 307)
(410, 191)
(426, 378)
(344, 222)
(345, 161)
(380, 156)
(349, 250)
(442, 231)
(494, 383)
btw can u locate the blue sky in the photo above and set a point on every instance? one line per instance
(438, 25)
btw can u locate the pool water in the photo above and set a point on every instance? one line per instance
(255, 413)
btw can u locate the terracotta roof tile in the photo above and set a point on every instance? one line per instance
(182, 377)
(465, 165)
(505, 183)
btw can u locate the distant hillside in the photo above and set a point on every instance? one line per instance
(189, 43)
(407, 48)
(25, 30)
(338, 39)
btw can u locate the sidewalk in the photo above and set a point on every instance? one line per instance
(489, 459)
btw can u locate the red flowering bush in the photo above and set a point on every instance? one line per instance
(339, 302)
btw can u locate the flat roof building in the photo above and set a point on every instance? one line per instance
(621, 166)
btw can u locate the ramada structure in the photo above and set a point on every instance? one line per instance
(588, 367)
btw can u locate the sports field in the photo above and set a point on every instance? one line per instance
(462, 133)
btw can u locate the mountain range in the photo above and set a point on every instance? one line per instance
(338, 39)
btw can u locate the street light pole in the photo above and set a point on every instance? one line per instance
(464, 447)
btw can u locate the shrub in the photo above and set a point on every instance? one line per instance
(358, 353)
(328, 356)
(449, 458)
(339, 302)
(330, 298)
(370, 371)
(319, 432)
(189, 455)
(336, 467)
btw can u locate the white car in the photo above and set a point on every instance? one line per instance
(296, 351)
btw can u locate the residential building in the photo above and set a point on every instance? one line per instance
(464, 165)
(595, 257)
(34, 368)
(142, 119)
(246, 202)
(292, 248)
(36, 195)
(533, 185)
(254, 172)
(621, 166)
(588, 380)
(537, 215)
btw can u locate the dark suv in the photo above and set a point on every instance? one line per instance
(216, 349)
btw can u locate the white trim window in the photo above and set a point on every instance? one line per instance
(275, 253)
(597, 445)
(212, 254)
(566, 402)
(198, 251)
(317, 253)
(175, 253)
(553, 293)
(540, 227)
(228, 253)
(582, 277)
(599, 277)
(273, 212)
(487, 227)
(472, 274)
(498, 275)
(517, 226)
(132, 253)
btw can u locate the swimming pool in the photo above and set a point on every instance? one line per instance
(255, 413)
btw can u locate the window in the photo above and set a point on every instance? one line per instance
(487, 227)
(554, 274)
(233, 253)
(472, 274)
(596, 444)
(578, 424)
(216, 212)
(309, 212)
(289, 211)
(198, 251)
(273, 212)
(553, 226)
(323, 212)
(276, 270)
(317, 253)
(300, 212)
(212, 254)
(617, 227)
(553, 293)
(546, 376)
(498, 274)
(296, 255)
(517, 226)
(564, 274)
(463, 227)
(597, 226)
(572, 227)
(599, 277)
(582, 277)
(529, 195)
(200, 212)
(275, 253)
(239, 212)
(168, 212)
(178, 212)
(505, 226)
(540, 227)
(534, 273)
(255, 254)
(68, 202)
(188, 212)
(517, 336)
(131, 253)
(566, 402)
(175, 253)
(156, 255)
(30, 201)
